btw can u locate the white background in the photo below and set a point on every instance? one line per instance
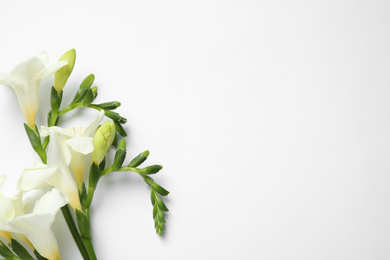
(271, 119)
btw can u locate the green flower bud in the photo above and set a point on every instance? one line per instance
(120, 155)
(102, 141)
(109, 105)
(62, 75)
(139, 159)
(94, 91)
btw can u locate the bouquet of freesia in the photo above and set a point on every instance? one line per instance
(71, 163)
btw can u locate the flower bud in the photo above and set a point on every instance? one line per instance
(102, 141)
(120, 155)
(94, 91)
(62, 75)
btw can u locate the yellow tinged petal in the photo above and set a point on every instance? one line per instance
(7, 235)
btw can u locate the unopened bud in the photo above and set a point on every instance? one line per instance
(94, 91)
(120, 155)
(62, 75)
(102, 141)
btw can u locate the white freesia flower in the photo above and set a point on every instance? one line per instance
(68, 148)
(33, 221)
(25, 79)
(77, 143)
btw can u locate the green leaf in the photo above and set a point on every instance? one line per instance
(139, 159)
(20, 250)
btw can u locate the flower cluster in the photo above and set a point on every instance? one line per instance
(71, 163)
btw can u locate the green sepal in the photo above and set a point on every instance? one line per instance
(55, 100)
(120, 155)
(153, 169)
(102, 165)
(84, 87)
(83, 224)
(35, 140)
(39, 256)
(5, 251)
(139, 159)
(83, 194)
(115, 141)
(49, 115)
(109, 105)
(119, 128)
(93, 175)
(94, 91)
(20, 250)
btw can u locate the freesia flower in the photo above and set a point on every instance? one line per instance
(25, 79)
(33, 220)
(68, 148)
(79, 141)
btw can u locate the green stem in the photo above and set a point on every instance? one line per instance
(106, 171)
(90, 249)
(75, 233)
(94, 107)
(54, 118)
(70, 108)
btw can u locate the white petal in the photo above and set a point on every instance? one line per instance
(28, 71)
(36, 228)
(44, 57)
(52, 68)
(34, 178)
(58, 153)
(91, 129)
(50, 203)
(7, 79)
(83, 145)
(7, 209)
(45, 131)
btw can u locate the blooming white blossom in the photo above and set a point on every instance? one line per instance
(32, 219)
(68, 148)
(25, 79)
(77, 143)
